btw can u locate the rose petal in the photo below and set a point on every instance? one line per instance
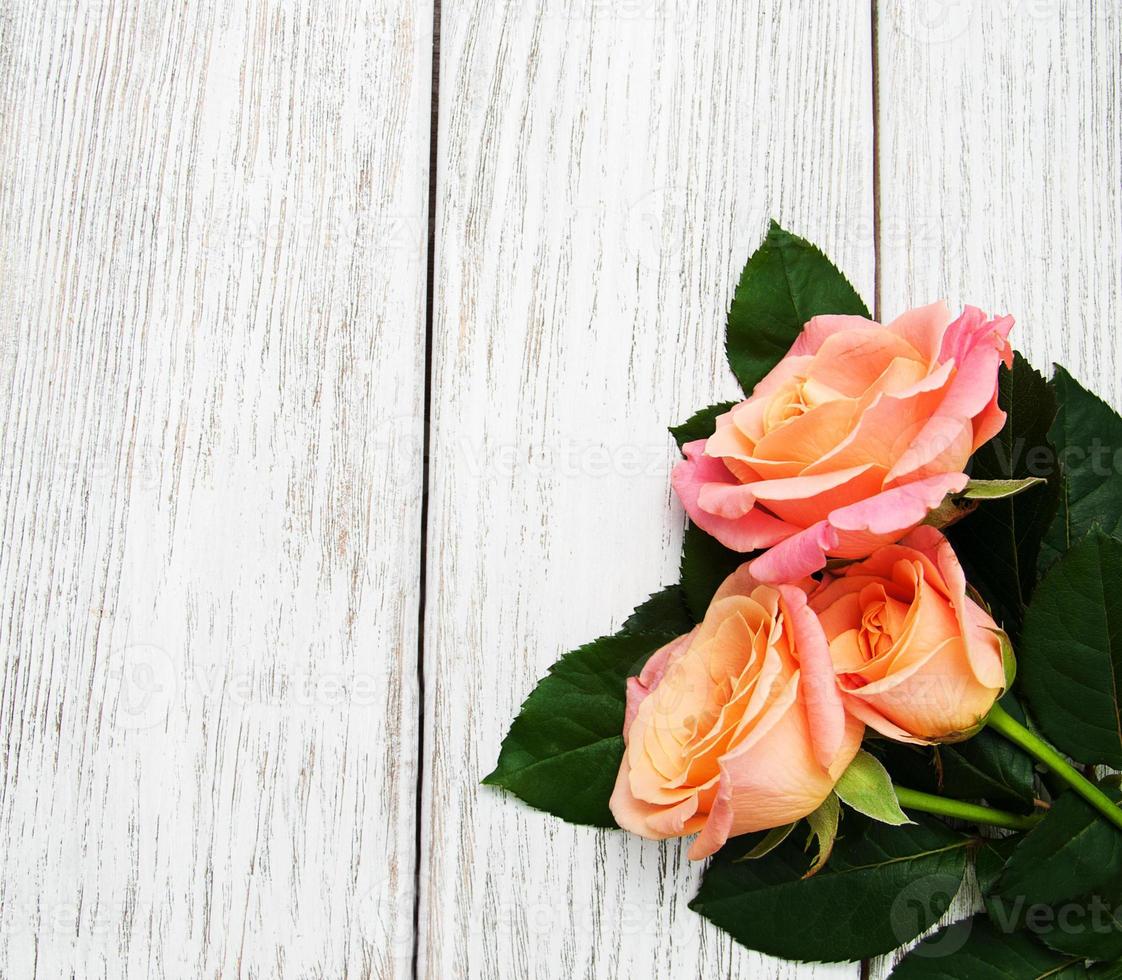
(899, 509)
(983, 648)
(773, 781)
(793, 365)
(869, 715)
(851, 361)
(726, 500)
(818, 328)
(798, 556)
(638, 688)
(740, 582)
(924, 328)
(943, 445)
(755, 529)
(804, 500)
(989, 423)
(977, 346)
(888, 425)
(818, 689)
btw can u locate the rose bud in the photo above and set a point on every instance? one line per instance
(850, 440)
(917, 658)
(737, 726)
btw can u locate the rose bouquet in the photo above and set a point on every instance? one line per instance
(894, 655)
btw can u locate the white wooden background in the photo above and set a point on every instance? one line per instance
(220, 585)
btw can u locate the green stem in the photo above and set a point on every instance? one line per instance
(1005, 724)
(913, 799)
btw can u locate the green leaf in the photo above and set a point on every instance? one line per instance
(976, 949)
(990, 857)
(706, 563)
(867, 788)
(987, 767)
(916, 766)
(1070, 654)
(1000, 543)
(785, 283)
(1070, 850)
(999, 489)
(1008, 657)
(663, 612)
(700, 425)
(952, 509)
(564, 749)
(1064, 882)
(1087, 435)
(769, 842)
(824, 829)
(883, 886)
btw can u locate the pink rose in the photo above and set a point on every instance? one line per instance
(851, 440)
(736, 726)
(917, 658)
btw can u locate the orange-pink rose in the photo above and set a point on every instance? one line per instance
(918, 660)
(851, 440)
(737, 726)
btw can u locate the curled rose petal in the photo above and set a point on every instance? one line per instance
(916, 658)
(851, 440)
(755, 529)
(736, 726)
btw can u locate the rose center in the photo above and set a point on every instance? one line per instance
(788, 404)
(874, 638)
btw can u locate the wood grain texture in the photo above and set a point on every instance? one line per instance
(1000, 163)
(213, 346)
(1001, 170)
(604, 171)
(212, 285)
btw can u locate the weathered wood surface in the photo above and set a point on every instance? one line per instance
(602, 174)
(1000, 170)
(213, 226)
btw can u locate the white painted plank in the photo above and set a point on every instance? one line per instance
(604, 171)
(1001, 176)
(1001, 170)
(213, 346)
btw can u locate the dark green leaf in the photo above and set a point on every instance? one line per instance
(563, 750)
(1072, 848)
(663, 612)
(882, 887)
(1070, 654)
(785, 283)
(986, 767)
(989, 767)
(1063, 882)
(976, 949)
(706, 563)
(700, 425)
(1000, 542)
(769, 842)
(1087, 435)
(914, 766)
(990, 857)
